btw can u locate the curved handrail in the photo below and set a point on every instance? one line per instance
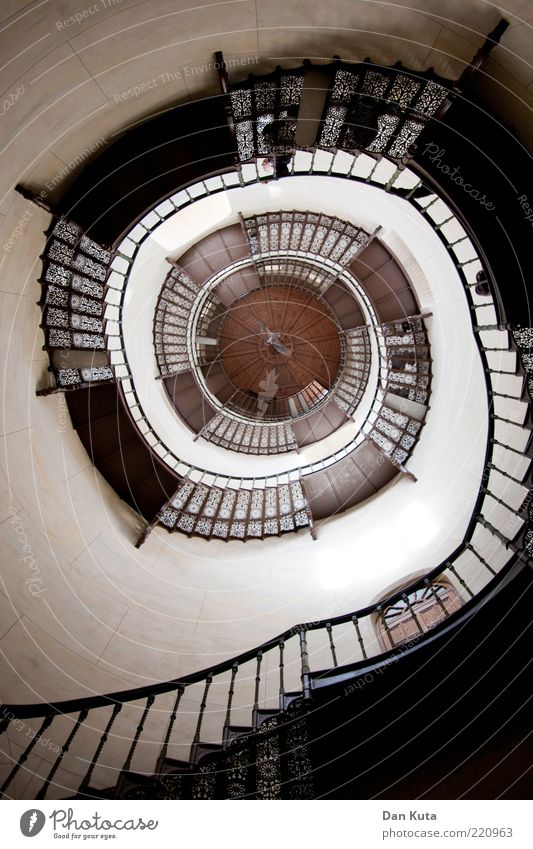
(433, 189)
(121, 696)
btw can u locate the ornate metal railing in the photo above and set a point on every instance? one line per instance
(414, 187)
(487, 316)
(214, 512)
(153, 730)
(72, 306)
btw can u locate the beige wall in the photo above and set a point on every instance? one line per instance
(109, 616)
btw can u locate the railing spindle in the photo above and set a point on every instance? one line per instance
(64, 749)
(259, 658)
(231, 692)
(331, 643)
(148, 705)
(508, 447)
(359, 637)
(304, 655)
(412, 611)
(281, 668)
(103, 739)
(463, 583)
(24, 756)
(171, 721)
(383, 618)
(506, 474)
(429, 584)
(203, 706)
(499, 500)
(480, 558)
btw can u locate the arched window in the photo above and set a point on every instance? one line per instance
(416, 612)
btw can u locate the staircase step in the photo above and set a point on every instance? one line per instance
(131, 782)
(288, 698)
(260, 716)
(235, 732)
(200, 750)
(314, 93)
(171, 766)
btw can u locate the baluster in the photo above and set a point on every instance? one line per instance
(413, 190)
(507, 447)
(127, 762)
(171, 721)
(331, 643)
(231, 691)
(412, 611)
(103, 739)
(480, 558)
(430, 204)
(463, 583)
(370, 176)
(495, 532)
(353, 165)
(500, 371)
(64, 749)
(383, 617)
(436, 596)
(458, 242)
(281, 668)
(499, 500)
(506, 475)
(494, 394)
(304, 655)
(24, 756)
(446, 221)
(257, 679)
(392, 179)
(203, 705)
(480, 328)
(359, 637)
(511, 422)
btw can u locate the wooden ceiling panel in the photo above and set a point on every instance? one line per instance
(306, 343)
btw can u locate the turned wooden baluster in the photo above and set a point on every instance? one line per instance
(331, 643)
(149, 702)
(64, 749)
(412, 611)
(203, 706)
(281, 668)
(359, 637)
(480, 558)
(436, 596)
(172, 719)
(257, 679)
(383, 618)
(458, 577)
(231, 692)
(103, 739)
(24, 756)
(304, 657)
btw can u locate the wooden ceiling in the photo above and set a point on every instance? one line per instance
(305, 330)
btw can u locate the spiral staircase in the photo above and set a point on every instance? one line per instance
(250, 726)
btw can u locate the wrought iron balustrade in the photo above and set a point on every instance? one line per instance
(197, 736)
(73, 305)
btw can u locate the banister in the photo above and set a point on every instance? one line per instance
(26, 711)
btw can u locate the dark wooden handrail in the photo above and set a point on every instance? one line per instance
(26, 711)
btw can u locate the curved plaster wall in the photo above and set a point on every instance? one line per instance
(108, 616)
